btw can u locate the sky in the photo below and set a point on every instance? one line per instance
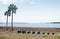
(33, 11)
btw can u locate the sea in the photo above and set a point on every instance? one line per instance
(34, 25)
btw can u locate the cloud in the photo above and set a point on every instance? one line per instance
(10, 1)
(21, 2)
(31, 3)
(4, 1)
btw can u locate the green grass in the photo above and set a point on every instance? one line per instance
(2, 37)
(58, 37)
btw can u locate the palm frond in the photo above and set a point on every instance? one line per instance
(13, 8)
(7, 13)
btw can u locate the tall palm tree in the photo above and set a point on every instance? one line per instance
(13, 9)
(7, 13)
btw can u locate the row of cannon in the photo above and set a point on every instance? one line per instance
(35, 32)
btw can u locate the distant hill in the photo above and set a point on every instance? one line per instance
(54, 22)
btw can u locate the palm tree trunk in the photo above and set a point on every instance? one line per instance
(7, 23)
(12, 22)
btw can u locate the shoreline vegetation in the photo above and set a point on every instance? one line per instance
(31, 29)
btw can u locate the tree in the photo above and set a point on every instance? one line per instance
(13, 9)
(7, 13)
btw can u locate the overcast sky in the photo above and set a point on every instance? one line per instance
(33, 11)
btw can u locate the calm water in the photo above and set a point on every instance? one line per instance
(38, 25)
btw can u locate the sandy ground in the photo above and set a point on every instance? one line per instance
(15, 35)
(4, 34)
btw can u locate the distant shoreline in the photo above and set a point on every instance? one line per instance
(54, 22)
(33, 23)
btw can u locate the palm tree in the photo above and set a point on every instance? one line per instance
(7, 13)
(13, 9)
